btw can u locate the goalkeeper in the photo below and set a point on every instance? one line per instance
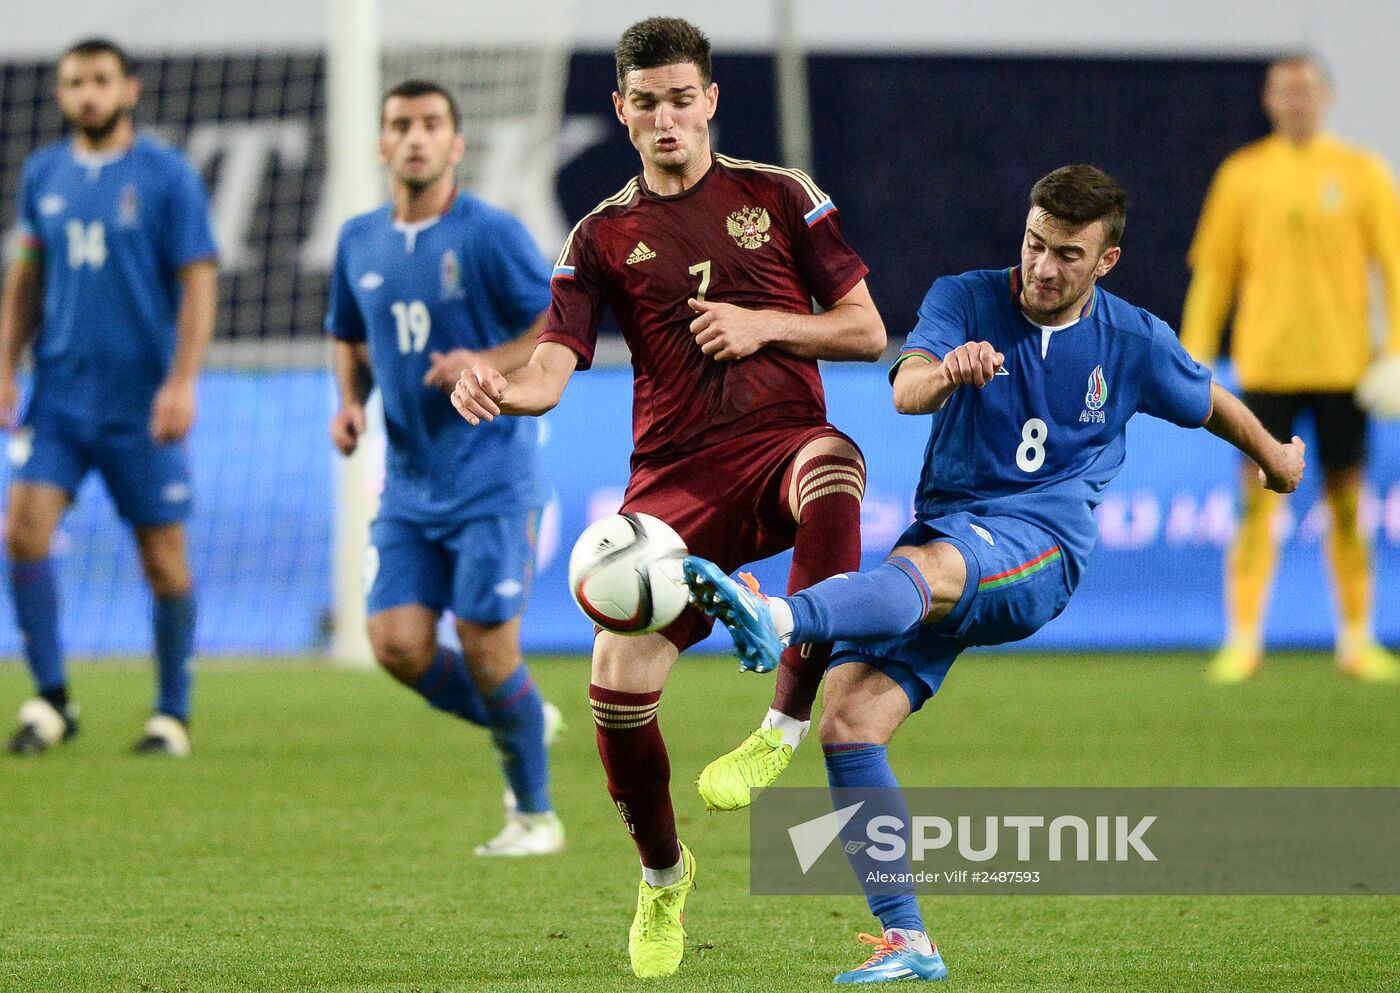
(1289, 230)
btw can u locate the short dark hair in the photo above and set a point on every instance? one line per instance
(411, 88)
(1082, 194)
(101, 46)
(662, 41)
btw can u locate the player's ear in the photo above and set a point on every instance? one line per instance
(133, 91)
(459, 148)
(711, 100)
(617, 107)
(1107, 261)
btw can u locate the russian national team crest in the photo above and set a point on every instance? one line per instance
(451, 276)
(127, 208)
(749, 226)
(1095, 398)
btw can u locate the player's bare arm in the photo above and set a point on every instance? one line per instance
(353, 381)
(482, 392)
(923, 387)
(19, 319)
(851, 330)
(447, 367)
(1280, 465)
(172, 410)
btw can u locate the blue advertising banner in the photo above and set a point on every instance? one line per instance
(260, 538)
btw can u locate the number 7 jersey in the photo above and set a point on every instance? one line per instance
(1044, 438)
(757, 236)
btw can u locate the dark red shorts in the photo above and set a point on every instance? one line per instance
(727, 502)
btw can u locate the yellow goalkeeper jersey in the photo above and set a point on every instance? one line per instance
(1287, 235)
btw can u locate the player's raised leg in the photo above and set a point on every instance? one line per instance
(627, 679)
(517, 716)
(32, 513)
(863, 709)
(173, 618)
(822, 490)
(916, 585)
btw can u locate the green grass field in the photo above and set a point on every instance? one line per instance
(321, 838)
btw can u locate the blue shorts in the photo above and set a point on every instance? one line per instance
(480, 569)
(1016, 584)
(149, 482)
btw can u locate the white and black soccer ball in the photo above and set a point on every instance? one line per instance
(625, 573)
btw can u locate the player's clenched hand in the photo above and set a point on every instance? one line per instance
(347, 426)
(725, 332)
(1286, 471)
(477, 395)
(172, 411)
(974, 363)
(447, 367)
(9, 403)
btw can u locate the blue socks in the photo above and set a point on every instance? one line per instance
(35, 596)
(514, 711)
(174, 622)
(448, 686)
(861, 771)
(517, 728)
(861, 606)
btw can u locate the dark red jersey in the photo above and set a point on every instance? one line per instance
(756, 236)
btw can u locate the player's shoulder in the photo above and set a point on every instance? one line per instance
(151, 152)
(612, 206)
(590, 226)
(791, 182)
(368, 222)
(45, 158)
(469, 210)
(975, 284)
(1124, 318)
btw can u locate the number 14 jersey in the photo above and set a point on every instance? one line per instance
(757, 236)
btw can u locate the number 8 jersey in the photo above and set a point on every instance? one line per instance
(1042, 440)
(756, 236)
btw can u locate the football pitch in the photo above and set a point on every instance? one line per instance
(321, 838)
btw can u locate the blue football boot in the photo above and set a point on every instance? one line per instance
(740, 608)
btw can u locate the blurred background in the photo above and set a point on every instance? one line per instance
(926, 122)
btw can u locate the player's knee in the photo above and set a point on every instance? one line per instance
(26, 539)
(840, 725)
(401, 654)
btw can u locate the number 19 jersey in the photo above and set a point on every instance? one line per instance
(757, 236)
(1042, 440)
(471, 278)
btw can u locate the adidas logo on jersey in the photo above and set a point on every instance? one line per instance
(640, 254)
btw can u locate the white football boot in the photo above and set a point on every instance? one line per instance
(165, 735)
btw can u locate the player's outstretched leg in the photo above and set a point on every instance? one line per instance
(864, 708)
(854, 606)
(822, 491)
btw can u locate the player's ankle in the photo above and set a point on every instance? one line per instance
(793, 730)
(781, 612)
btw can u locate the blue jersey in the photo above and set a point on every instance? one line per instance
(471, 279)
(1043, 439)
(112, 234)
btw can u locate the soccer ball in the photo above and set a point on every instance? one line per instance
(625, 573)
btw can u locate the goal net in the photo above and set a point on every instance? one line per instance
(276, 517)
